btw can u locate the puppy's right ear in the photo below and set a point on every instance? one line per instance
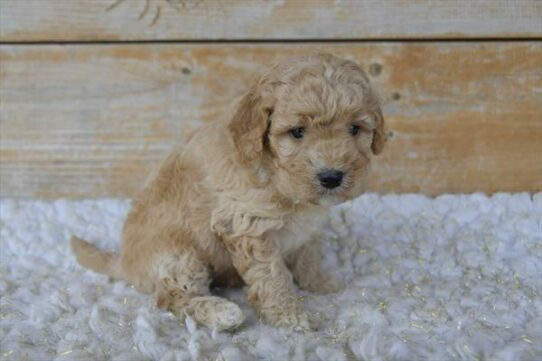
(249, 123)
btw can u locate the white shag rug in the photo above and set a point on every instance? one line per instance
(451, 278)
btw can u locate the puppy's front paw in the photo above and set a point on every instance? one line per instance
(299, 322)
(216, 312)
(304, 323)
(229, 316)
(329, 285)
(323, 284)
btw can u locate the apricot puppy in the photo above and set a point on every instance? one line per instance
(243, 200)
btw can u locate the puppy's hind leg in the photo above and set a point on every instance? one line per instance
(183, 288)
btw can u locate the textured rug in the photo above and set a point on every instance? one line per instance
(451, 278)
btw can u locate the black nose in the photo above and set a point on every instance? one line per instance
(330, 178)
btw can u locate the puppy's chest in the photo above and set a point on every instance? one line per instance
(298, 230)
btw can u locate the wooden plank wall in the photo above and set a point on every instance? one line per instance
(94, 93)
(121, 20)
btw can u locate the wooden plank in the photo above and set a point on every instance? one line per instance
(117, 20)
(91, 121)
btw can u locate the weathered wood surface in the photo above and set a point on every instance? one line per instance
(91, 121)
(117, 20)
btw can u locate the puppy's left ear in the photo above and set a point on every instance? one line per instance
(249, 123)
(379, 134)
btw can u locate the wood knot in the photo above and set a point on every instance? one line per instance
(375, 69)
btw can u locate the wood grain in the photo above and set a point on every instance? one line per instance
(119, 20)
(91, 121)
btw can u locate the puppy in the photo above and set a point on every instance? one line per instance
(241, 203)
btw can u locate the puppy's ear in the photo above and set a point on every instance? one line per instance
(249, 123)
(379, 135)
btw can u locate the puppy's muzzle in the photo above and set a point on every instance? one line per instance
(330, 178)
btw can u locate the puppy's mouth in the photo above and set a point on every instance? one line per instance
(329, 200)
(326, 192)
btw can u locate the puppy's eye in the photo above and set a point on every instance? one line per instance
(297, 133)
(354, 129)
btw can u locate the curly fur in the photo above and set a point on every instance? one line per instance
(240, 201)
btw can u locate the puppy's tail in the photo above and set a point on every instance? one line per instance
(92, 258)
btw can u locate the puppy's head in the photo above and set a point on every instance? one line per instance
(313, 124)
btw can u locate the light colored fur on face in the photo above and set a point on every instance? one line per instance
(240, 202)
